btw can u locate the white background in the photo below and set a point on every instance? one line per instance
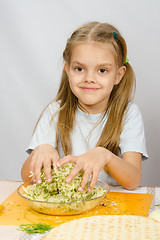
(33, 34)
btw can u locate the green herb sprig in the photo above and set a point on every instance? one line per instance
(35, 228)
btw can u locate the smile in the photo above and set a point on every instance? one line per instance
(89, 89)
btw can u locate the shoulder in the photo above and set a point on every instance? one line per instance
(49, 113)
(133, 121)
(51, 109)
(133, 108)
(132, 112)
(132, 138)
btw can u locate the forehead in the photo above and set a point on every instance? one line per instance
(93, 51)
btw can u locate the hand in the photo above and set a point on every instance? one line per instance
(91, 163)
(43, 156)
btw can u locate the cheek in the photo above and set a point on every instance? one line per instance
(72, 83)
(71, 80)
(74, 79)
(108, 86)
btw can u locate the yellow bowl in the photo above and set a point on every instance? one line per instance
(69, 208)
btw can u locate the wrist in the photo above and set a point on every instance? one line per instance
(108, 155)
(43, 146)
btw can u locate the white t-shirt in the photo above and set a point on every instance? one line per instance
(85, 135)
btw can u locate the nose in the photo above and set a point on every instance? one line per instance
(90, 77)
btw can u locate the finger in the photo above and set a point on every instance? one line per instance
(55, 159)
(37, 171)
(85, 180)
(67, 159)
(38, 176)
(73, 173)
(33, 168)
(93, 181)
(47, 170)
(32, 163)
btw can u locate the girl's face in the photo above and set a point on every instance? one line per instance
(92, 74)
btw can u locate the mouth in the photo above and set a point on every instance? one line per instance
(89, 89)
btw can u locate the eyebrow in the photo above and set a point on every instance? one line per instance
(100, 65)
(76, 62)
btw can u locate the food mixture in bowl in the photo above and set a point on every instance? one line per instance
(58, 190)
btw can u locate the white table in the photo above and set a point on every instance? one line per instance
(11, 232)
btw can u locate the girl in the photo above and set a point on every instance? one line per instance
(92, 122)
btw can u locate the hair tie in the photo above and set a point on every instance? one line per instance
(115, 35)
(127, 60)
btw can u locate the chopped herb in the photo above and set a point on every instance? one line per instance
(35, 228)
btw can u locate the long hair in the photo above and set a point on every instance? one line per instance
(120, 95)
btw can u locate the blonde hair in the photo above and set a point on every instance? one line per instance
(120, 95)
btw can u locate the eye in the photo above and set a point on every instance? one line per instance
(102, 70)
(79, 69)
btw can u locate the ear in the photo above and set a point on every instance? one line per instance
(66, 67)
(120, 73)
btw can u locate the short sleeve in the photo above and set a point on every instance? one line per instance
(132, 138)
(45, 132)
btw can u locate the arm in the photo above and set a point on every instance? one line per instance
(42, 156)
(125, 170)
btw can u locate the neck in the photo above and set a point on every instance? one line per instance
(91, 109)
